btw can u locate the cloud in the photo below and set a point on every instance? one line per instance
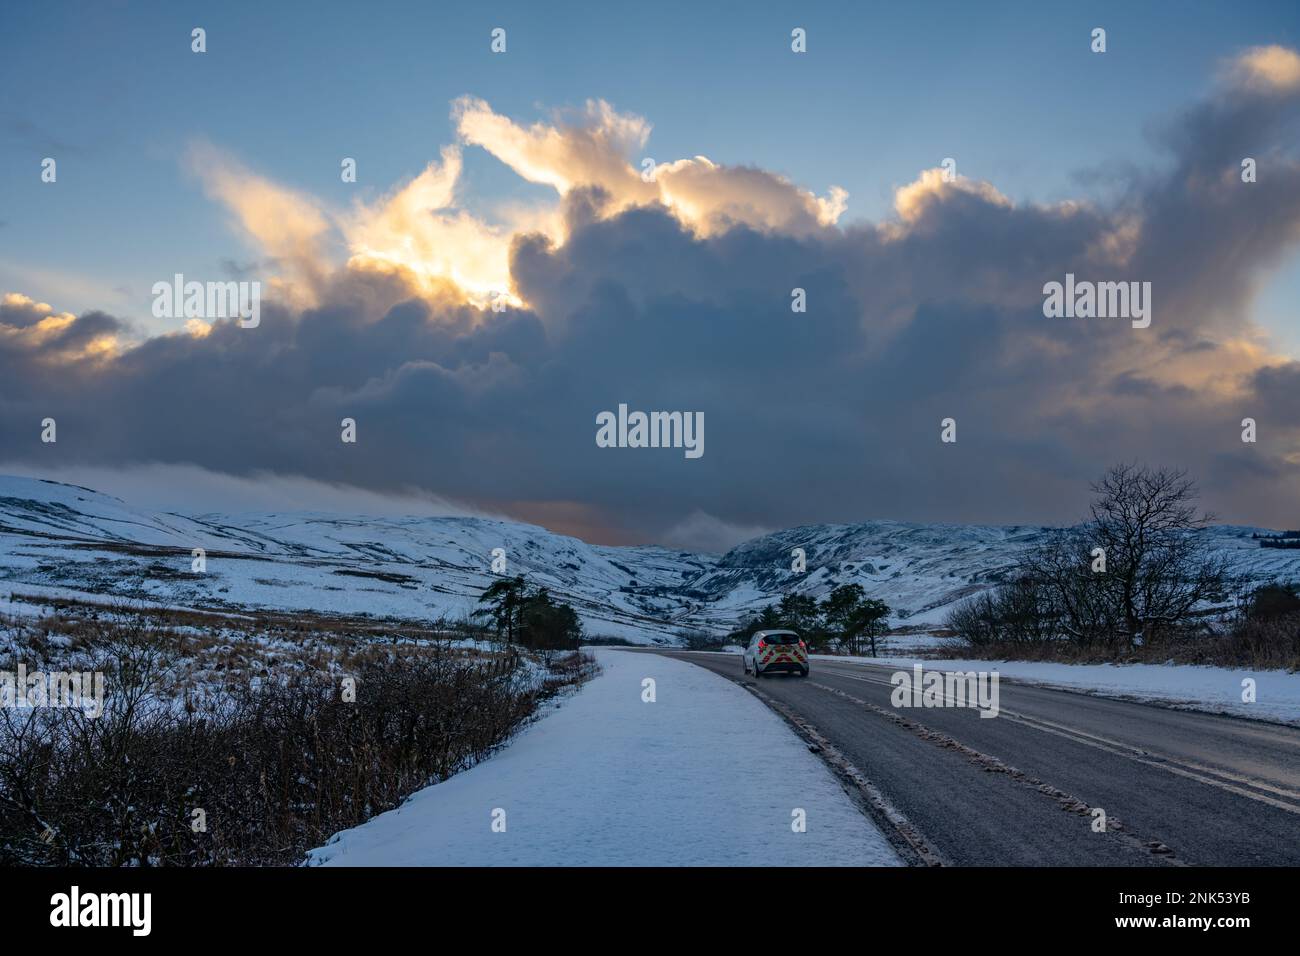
(415, 229)
(34, 331)
(594, 150)
(191, 489)
(675, 295)
(702, 532)
(915, 200)
(284, 224)
(1266, 68)
(599, 147)
(713, 198)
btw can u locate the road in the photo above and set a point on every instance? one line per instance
(1177, 787)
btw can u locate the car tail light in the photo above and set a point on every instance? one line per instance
(801, 647)
(762, 644)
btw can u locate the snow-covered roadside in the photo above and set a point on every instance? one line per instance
(1216, 690)
(706, 775)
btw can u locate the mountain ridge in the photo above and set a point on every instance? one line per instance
(61, 538)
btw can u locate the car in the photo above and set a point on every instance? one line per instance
(772, 651)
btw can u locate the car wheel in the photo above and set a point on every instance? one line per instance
(804, 672)
(757, 673)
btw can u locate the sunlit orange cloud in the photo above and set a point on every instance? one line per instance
(284, 223)
(1222, 373)
(1266, 68)
(593, 151)
(416, 228)
(930, 186)
(40, 336)
(420, 235)
(602, 147)
(420, 231)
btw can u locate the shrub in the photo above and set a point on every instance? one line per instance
(275, 765)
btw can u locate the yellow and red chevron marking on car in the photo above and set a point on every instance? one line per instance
(782, 654)
(776, 651)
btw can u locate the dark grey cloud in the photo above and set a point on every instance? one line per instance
(832, 415)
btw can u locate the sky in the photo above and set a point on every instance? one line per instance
(518, 175)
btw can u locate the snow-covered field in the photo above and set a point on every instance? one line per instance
(60, 540)
(920, 570)
(63, 540)
(1216, 690)
(706, 775)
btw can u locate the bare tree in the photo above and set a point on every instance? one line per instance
(1137, 567)
(1064, 596)
(1157, 569)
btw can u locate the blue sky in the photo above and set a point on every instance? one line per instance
(925, 295)
(114, 93)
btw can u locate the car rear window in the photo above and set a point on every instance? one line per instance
(782, 638)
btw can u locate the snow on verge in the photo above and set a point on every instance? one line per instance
(1216, 690)
(706, 775)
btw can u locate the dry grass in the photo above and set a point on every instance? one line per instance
(246, 719)
(1269, 644)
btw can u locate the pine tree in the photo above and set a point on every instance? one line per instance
(503, 603)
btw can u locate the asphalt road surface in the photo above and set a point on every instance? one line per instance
(1177, 787)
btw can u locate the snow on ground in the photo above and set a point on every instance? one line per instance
(34, 600)
(898, 644)
(706, 775)
(420, 568)
(70, 540)
(1193, 687)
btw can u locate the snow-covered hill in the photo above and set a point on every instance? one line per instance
(919, 570)
(59, 539)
